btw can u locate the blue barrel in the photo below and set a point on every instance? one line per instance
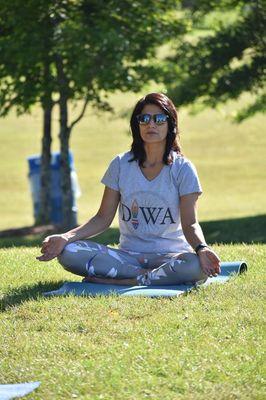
(56, 215)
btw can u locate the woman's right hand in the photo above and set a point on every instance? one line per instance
(52, 246)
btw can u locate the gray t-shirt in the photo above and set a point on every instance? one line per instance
(149, 215)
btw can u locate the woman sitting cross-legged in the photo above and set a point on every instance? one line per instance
(156, 189)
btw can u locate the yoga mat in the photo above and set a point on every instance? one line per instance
(12, 391)
(228, 269)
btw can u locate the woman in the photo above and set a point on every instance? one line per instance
(156, 188)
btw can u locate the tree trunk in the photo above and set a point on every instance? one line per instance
(44, 216)
(67, 195)
(69, 216)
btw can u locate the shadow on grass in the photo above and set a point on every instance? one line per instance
(111, 236)
(238, 230)
(24, 293)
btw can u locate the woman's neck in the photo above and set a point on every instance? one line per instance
(154, 154)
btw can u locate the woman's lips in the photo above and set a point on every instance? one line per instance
(151, 132)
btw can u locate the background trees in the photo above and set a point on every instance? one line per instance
(222, 57)
(57, 52)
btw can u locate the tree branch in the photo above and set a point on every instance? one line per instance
(80, 115)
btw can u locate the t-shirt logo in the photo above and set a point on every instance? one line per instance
(134, 214)
(147, 212)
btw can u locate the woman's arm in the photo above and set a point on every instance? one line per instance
(53, 245)
(210, 262)
(101, 221)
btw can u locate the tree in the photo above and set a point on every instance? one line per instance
(221, 60)
(25, 76)
(94, 47)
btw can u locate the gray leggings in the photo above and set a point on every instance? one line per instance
(87, 258)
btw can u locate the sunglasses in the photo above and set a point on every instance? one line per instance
(145, 119)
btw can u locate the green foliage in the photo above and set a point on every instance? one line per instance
(23, 51)
(259, 105)
(62, 51)
(224, 62)
(100, 47)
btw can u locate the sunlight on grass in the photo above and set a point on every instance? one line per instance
(208, 344)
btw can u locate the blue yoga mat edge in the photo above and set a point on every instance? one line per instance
(228, 269)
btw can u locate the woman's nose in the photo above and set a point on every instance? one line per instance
(151, 122)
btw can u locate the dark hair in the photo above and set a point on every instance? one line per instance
(172, 138)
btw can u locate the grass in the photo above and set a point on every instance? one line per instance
(208, 344)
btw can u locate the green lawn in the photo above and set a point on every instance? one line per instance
(205, 345)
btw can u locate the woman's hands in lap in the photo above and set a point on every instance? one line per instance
(52, 246)
(209, 262)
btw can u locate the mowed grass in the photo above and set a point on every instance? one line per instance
(208, 344)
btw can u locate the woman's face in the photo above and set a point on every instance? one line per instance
(153, 133)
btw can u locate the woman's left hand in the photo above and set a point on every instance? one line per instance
(209, 262)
